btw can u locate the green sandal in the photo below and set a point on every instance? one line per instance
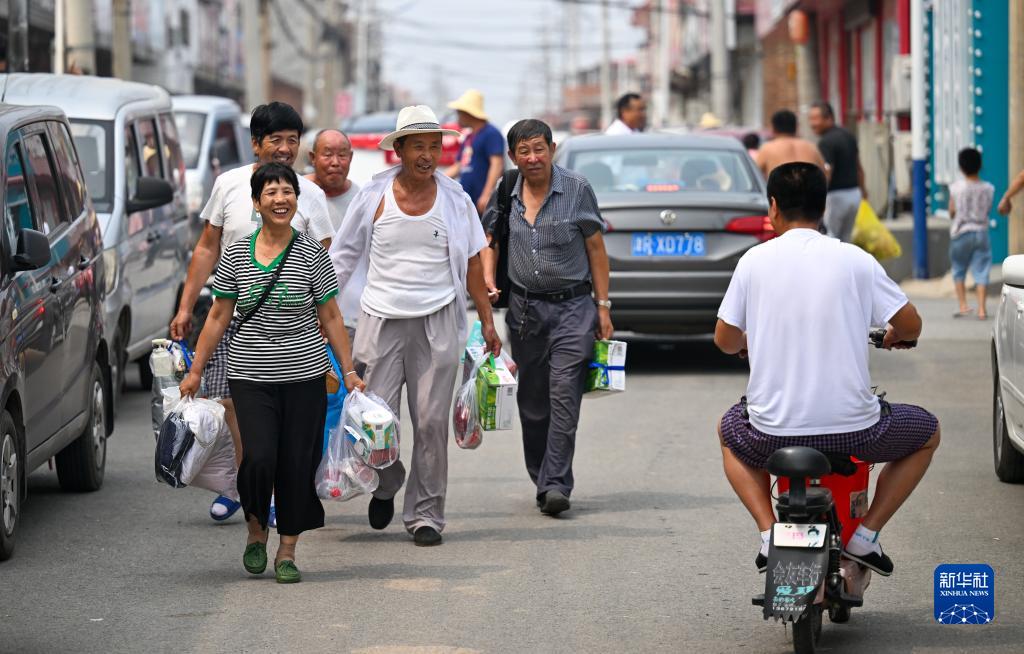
(287, 573)
(255, 558)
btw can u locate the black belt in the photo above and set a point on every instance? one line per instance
(583, 288)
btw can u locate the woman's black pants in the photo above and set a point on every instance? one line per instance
(282, 430)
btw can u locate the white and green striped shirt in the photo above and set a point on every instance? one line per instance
(282, 342)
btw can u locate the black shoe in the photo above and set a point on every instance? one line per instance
(554, 503)
(761, 562)
(426, 537)
(876, 561)
(381, 512)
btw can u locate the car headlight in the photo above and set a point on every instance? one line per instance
(195, 198)
(110, 261)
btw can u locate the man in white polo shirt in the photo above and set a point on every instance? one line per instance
(801, 307)
(230, 216)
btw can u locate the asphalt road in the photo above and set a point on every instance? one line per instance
(656, 555)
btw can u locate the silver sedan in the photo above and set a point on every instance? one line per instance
(681, 211)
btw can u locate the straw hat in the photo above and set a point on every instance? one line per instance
(709, 121)
(418, 119)
(472, 102)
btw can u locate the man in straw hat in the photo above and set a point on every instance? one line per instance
(481, 157)
(405, 256)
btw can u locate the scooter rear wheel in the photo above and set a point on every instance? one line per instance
(807, 631)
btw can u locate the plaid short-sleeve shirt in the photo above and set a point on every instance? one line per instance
(551, 254)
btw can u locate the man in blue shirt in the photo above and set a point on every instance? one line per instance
(481, 157)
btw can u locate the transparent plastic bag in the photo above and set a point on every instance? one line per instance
(172, 444)
(169, 362)
(342, 473)
(373, 428)
(466, 418)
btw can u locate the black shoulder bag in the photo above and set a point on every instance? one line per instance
(501, 235)
(270, 287)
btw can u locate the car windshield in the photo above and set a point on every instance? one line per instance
(664, 170)
(93, 143)
(190, 130)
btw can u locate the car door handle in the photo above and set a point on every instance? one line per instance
(83, 263)
(153, 237)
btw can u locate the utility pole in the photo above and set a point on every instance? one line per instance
(1016, 162)
(546, 64)
(362, 59)
(80, 31)
(265, 48)
(122, 39)
(662, 92)
(918, 146)
(721, 100)
(17, 36)
(606, 67)
(257, 90)
(58, 37)
(327, 113)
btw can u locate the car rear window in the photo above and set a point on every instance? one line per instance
(667, 170)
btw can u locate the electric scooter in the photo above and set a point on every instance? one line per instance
(806, 574)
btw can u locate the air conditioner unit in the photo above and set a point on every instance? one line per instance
(899, 84)
(902, 161)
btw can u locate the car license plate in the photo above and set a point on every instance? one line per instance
(811, 536)
(668, 244)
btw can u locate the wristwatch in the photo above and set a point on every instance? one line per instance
(607, 304)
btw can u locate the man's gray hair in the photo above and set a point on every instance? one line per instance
(316, 139)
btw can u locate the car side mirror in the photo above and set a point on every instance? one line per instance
(150, 193)
(33, 250)
(1013, 270)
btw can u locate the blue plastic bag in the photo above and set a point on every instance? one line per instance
(334, 401)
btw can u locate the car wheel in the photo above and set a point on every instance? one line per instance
(11, 471)
(80, 465)
(1009, 462)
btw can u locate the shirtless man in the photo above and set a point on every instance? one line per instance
(785, 146)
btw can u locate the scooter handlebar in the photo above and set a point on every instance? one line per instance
(877, 338)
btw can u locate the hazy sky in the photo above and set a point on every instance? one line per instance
(439, 48)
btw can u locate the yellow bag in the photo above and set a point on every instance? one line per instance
(872, 236)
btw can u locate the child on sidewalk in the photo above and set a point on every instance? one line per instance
(970, 201)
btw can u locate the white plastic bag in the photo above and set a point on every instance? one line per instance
(342, 473)
(373, 428)
(220, 472)
(209, 461)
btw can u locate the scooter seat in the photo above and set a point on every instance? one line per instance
(819, 500)
(798, 462)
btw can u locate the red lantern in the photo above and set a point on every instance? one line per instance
(799, 27)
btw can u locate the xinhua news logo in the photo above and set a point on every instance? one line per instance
(965, 594)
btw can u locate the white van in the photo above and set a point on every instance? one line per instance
(128, 146)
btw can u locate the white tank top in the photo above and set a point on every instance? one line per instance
(410, 272)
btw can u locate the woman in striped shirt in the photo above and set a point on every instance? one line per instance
(277, 365)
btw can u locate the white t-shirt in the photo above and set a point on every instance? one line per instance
(410, 274)
(230, 207)
(618, 127)
(337, 206)
(807, 303)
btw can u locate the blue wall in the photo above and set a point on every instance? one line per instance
(992, 125)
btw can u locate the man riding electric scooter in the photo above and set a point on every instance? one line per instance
(802, 304)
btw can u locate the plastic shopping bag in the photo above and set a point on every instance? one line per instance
(342, 473)
(872, 236)
(466, 418)
(373, 428)
(169, 361)
(172, 444)
(335, 401)
(219, 473)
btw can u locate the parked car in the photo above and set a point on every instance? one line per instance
(366, 132)
(212, 142)
(681, 211)
(129, 149)
(1008, 375)
(55, 377)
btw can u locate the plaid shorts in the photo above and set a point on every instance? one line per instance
(215, 376)
(902, 430)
